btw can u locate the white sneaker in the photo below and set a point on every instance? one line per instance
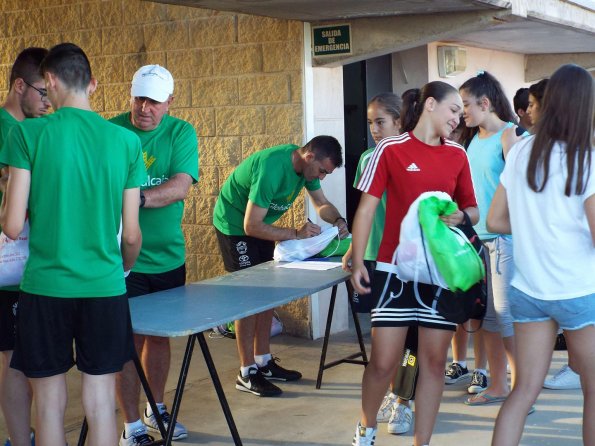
(364, 436)
(138, 437)
(400, 420)
(180, 431)
(564, 379)
(386, 408)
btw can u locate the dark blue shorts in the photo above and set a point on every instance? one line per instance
(47, 326)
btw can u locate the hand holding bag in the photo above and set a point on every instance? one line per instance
(13, 256)
(454, 255)
(300, 249)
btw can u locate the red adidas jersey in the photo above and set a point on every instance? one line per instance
(404, 167)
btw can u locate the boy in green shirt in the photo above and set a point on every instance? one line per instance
(26, 98)
(77, 177)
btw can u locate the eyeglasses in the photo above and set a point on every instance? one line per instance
(42, 91)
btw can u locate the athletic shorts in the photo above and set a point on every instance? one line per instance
(405, 304)
(363, 303)
(47, 326)
(8, 312)
(243, 251)
(139, 284)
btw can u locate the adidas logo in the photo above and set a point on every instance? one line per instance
(413, 168)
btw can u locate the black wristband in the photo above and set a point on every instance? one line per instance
(339, 218)
(142, 199)
(466, 219)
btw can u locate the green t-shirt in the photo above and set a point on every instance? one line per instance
(169, 149)
(6, 123)
(80, 165)
(268, 180)
(378, 223)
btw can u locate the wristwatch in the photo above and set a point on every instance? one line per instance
(142, 199)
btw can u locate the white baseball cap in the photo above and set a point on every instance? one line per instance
(154, 82)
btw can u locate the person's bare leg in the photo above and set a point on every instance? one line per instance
(432, 351)
(533, 342)
(262, 338)
(15, 397)
(156, 360)
(481, 359)
(459, 344)
(99, 404)
(128, 385)
(581, 347)
(245, 334)
(50, 404)
(386, 353)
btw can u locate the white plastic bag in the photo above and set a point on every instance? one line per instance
(300, 249)
(13, 256)
(414, 263)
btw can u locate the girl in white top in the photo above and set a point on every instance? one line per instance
(547, 200)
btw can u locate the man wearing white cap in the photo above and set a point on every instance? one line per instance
(170, 153)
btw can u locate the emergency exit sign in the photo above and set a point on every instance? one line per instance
(331, 40)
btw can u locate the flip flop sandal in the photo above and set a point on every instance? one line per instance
(483, 398)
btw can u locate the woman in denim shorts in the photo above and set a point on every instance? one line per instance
(546, 199)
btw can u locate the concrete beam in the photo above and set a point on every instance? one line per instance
(539, 66)
(573, 15)
(372, 37)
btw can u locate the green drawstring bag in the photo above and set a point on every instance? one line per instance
(455, 257)
(337, 247)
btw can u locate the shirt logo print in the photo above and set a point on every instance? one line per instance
(148, 160)
(413, 168)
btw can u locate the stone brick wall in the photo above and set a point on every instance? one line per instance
(238, 81)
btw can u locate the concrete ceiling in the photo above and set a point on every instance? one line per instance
(542, 30)
(317, 10)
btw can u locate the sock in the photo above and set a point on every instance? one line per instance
(484, 371)
(160, 408)
(245, 371)
(129, 428)
(262, 360)
(463, 364)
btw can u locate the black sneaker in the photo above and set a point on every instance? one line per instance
(455, 373)
(272, 371)
(256, 383)
(479, 382)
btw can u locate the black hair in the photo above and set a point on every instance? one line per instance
(568, 117)
(537, 90)
(521, 99)
(390, 102)
(326, 147)
(484, 84)
(26, 65)
(70, 64)
(414, 100)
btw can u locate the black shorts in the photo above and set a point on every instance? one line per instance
(8, 312)
(243, 251)
(139, 284)
(363, 303)
(47, 326)
(405, 304)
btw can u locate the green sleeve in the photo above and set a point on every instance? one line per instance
(313, 185)
(185, 155)
(14, 150)
(136, 170)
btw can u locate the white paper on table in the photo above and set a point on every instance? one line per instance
(312, 265)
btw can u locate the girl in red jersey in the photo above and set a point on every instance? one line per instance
(417, 161)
